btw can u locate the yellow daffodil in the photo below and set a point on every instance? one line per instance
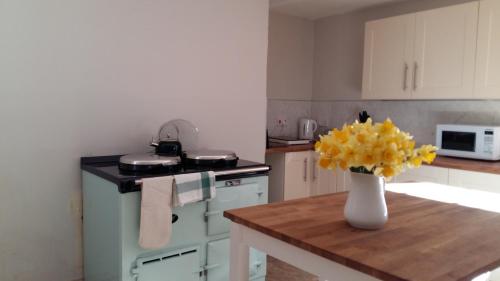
(341, 136)
(380, 148)
(325, 162)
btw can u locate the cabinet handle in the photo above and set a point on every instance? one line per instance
(305, 169)
(405, 77)
(415, 70)
(314, 170)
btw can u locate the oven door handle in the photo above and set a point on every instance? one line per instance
(211, 266)
(212, 213)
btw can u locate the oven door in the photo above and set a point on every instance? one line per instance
(460, 141)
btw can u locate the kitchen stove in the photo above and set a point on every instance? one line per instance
(199, 245)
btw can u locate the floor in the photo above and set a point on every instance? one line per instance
(280, 271)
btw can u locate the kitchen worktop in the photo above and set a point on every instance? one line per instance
(283, 148)
(423, 240)
(491, 167)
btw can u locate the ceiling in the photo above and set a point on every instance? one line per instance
(315, 9)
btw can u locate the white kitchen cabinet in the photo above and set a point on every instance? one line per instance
(291, 176)
(488, 51)
(454, 177)
(474, 180)
(343, 180)
(445, 52)
(389, 47)
(425, 55)
(424, 174)
(297, 175)
(323, 181)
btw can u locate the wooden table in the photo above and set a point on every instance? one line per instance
(423, 240)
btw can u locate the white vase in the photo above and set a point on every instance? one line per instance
(365, 207)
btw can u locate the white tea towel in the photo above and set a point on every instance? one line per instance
(156, 212)
(189, 188)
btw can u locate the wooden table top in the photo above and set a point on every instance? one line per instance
(423, 240)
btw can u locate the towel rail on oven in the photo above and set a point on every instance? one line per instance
(231, 172)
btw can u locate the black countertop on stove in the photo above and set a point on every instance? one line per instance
(107, 168)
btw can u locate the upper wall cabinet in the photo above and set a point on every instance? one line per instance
(425, 55)
(388, 53)
(488, 51)
(445, 52)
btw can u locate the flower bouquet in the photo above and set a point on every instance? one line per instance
(373, 153)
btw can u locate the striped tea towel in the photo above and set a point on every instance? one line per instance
(189, 188)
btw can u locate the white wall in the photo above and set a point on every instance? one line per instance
(93, 77)
(290, 58)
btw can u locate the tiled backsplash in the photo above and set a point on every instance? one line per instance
(417, 117)
(292, 111)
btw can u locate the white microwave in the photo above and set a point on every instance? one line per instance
(468, 141)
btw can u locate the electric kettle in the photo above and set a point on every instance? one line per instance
(307, 127)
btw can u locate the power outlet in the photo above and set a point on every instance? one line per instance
(281, 122)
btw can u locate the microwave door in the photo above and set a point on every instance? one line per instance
(459, 141)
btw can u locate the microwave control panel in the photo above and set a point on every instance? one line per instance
(488, 142)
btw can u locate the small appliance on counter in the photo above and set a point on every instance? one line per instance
(307, 127)
(468, 141)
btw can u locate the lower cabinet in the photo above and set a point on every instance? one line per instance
(424, 174)
(454, 177)
(475, 180)
(297, 175)
(217, 268)
(323, 181)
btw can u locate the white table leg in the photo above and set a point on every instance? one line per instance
(238, 270)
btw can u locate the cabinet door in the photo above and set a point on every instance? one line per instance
(445, 50)
(475, 180)
(388, 53)
(488, 50)
(297, 175)
(323, 181)
(343, 180)
(424, 174)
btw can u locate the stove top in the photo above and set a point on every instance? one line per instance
(107, 167)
